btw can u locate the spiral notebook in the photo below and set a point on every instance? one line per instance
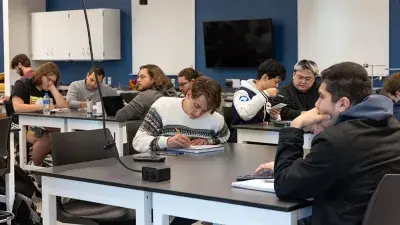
(199, 149)
(256, 184)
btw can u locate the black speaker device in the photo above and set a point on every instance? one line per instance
(156, 174)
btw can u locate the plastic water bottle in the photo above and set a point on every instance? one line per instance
(46, 104)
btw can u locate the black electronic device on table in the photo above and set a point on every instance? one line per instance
(267, 174)
(148, 159)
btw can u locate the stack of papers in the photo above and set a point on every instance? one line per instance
(256, 184)
(198, 149)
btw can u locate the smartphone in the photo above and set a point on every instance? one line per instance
(278, 106)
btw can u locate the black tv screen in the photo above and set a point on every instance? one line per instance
(237, 43)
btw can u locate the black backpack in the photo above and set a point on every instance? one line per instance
(24, 209)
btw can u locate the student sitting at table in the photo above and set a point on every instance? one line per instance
(302, 92)
(358, 143)
(391, 88)
(81, 91)
(22, 65)
(251, 103)
(27, 96)
(179, 123)
(186, 78)
(152, 84)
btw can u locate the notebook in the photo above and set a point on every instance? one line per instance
(256, 184)
(198, 149)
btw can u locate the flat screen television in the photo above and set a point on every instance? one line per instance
(238, 43)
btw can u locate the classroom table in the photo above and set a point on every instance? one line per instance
(267, 134)
(200, 188)
(68, 121)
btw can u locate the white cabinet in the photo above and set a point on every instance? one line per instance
(49, 42)
(104, 28)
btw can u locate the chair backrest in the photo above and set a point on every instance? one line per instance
(80, 146)
(228, 116)
(383, 206)
(131, 129)
(10, 110)
(5, 127)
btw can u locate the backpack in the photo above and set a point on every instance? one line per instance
(24, 210)
(23, 183)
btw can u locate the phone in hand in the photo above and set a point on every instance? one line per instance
(278, 106)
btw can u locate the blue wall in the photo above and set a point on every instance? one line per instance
(1, 39)
(118, 70)
(284, 18)
(394, 34)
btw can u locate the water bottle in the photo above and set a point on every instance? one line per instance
(46, 104)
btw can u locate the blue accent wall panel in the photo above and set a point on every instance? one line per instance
(394, 34)
(284, 18)
(117, 69)
(1, 39)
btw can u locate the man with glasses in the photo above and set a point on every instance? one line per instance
(152, 83)
(81, 91)
(302, 93)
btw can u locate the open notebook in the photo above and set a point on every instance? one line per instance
(198, 149)
(256, 184)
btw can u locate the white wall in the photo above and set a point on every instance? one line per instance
(332, 31)
(163, 33)
(17, 32)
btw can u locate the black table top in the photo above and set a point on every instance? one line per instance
(259, 126)
(71, 114)
(204, 176)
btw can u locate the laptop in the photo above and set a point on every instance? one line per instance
(112, 104)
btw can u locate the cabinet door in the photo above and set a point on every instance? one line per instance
(58, 25)
(79, 38)
(50, 36)
(40, 37)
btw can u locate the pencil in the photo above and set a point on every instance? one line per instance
(178, 131)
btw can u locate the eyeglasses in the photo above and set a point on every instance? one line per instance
(143, 76)
(305, 79)
(183, 84)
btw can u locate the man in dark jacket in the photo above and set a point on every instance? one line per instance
(357, 145)
(391, 88)
(302, 92)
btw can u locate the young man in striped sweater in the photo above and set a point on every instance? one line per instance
(179, 123)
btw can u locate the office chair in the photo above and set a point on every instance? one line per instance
(90, 144)
(131, 128)
(5, 127)
(382, 208)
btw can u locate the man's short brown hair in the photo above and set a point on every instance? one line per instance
(47, 69)
(97, 70)
(189, 74)
(21, 58)
(210, 89)
(391, 85)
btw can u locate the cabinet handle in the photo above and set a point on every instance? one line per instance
(47, 51)
(52, 51)
(83, 51)
(88, 51)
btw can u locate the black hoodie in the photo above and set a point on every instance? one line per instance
(299, 101)
(345, 163)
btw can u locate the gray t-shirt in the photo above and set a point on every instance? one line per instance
(78, 92)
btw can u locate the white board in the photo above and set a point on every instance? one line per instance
(163, 33)
(330, 32)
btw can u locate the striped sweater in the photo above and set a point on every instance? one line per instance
(165, 115)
